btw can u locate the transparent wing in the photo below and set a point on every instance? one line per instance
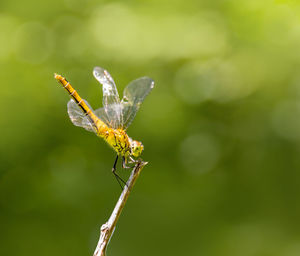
(77, 117)
(110, 92)
(112, 115)
(100, 112)
(111, 100)
(133, 96)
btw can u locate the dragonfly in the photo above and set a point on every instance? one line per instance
(112, 120)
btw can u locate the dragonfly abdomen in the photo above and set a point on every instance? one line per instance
(97, 124)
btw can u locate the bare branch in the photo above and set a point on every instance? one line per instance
(108, 228)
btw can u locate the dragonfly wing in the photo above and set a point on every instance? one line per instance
(77, 117)
(101, 113)
(111, 100)
(114, 118)
(133, 96)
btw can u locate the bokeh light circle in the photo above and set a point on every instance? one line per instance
(33, 43)
(199, 153)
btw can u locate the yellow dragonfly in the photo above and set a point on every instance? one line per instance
(111, 121)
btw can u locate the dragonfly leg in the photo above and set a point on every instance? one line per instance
(115, 164)
(124, 164)
(118, 178)
(132, 160)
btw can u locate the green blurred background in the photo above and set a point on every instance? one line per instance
(221, 128)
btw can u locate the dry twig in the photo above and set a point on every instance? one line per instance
(108, 228)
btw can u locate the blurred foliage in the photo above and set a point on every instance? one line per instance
(221, 128)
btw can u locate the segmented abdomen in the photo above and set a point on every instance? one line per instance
(99, 126)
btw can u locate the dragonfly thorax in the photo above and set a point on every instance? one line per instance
(117, 139)
(121, 142)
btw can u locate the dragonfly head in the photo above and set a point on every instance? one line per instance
(136, 148)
